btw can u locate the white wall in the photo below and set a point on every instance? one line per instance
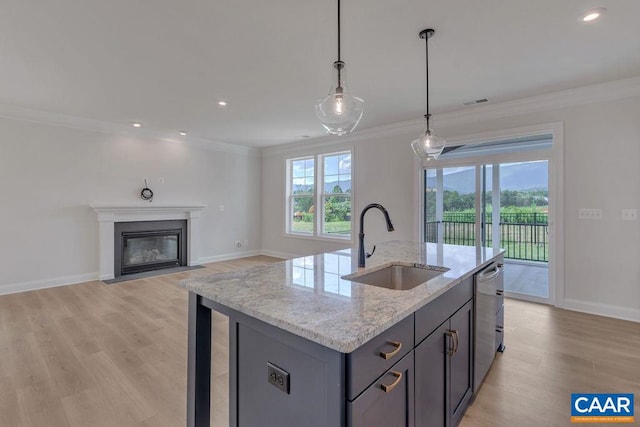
(382, 173)
(601, 170)
(50, 175)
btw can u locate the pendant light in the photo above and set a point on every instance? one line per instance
(427, 146)
(339, 112)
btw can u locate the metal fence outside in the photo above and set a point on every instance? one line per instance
(524, 236)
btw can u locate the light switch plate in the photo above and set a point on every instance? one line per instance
(629, 214)
(589, 213)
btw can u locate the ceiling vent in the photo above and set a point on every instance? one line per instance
(477, 101)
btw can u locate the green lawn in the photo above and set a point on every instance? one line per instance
(336, 227)
(514, 250)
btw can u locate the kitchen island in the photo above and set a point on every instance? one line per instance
(308, 346)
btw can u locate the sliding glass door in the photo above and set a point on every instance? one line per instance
(500, 205)
(450, 205)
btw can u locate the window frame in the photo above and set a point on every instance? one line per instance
(290, 196)
(318, 197)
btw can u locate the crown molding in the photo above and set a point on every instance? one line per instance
(602, 92)
(405, 127)
(18, 113)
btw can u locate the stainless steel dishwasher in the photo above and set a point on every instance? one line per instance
(488, 289)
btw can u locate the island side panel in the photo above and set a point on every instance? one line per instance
(199, 364)
(316, 383)
(233, 367)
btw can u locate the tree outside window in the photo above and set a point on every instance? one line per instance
(336, 196)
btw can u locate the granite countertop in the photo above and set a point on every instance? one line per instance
(308, 297)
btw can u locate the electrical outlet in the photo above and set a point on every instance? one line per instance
(278, 377)
(221, 208)
(590, 213)
(629, 214)
(161, 180)
(246, 243)
(238, 244)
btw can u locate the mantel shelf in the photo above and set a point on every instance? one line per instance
(115, 208)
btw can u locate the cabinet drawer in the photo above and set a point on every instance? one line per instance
(429, 317)
(393, 407)
(368, 362)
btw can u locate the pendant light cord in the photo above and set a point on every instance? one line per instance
(339, 60)
(428, 115)
(338, 30)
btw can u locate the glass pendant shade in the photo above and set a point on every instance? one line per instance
(339, 112)
(428, 146)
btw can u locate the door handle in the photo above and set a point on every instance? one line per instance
(388, 388)
(456, 342)
(453, 334)
(449, 349)
(485, 276)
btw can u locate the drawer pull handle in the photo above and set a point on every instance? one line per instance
(387, 356)
(388, 388)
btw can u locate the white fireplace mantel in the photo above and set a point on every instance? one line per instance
(110, 214)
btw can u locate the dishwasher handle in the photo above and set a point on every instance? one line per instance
(490, 274)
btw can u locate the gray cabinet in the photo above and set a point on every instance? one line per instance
(444, 362)
(312, 389)
(419, 372)
(388, 401)
(378, 355)
(431, 378)
(461, 363)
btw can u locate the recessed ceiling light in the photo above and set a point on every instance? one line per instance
(183, 133)
(593, 14)
(136, 124)
(222, 103)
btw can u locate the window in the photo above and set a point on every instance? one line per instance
(322, 180)
(302, 198)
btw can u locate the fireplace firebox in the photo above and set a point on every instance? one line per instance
(149, 245)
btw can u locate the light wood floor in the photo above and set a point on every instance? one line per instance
(102, 355)
(115, 356)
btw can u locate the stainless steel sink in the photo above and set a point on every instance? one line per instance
(399, 277)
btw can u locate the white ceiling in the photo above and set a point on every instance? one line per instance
(165, 63)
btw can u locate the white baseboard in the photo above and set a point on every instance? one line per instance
(607, 310)
(277, 254)
(225, 257)
(13, 288)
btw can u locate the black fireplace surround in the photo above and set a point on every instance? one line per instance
(149, 245)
